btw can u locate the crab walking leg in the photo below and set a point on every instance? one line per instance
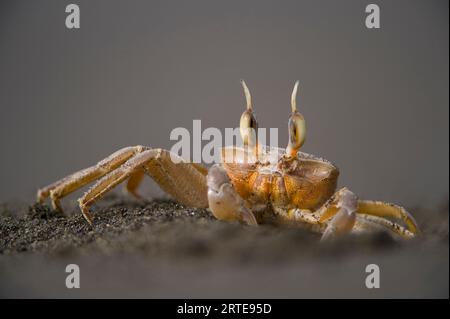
(184, 181)
(79, 179)
(381, 209)
(342, 222)
(303, 216)
(339, 215)
(367, 223)
(133, 183)
(135, 180)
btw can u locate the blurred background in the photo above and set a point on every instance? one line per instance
(376, 101)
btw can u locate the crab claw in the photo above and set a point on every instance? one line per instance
(224, 202)
(345, 216)
(341, 223)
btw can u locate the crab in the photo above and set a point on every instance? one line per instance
(253, 184)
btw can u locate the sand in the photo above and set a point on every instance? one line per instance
(160, 249)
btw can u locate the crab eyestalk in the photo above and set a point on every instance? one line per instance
(296, 126)
(248, 125)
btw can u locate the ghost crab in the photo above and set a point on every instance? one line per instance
(253, 184)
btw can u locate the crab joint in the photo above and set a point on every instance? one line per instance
(248, 125)
(296, 126)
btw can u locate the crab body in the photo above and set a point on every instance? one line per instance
(275, 181)
(253, 184)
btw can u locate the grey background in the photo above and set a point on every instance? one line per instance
(376, 101)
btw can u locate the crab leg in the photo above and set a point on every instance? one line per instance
(79, 179)
(186, 182)
(381, 209)
(344, 213)
(368, 222)
(370, 213)
(340, 208)
(135, 179)
(133, 183)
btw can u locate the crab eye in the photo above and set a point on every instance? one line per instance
(297, 127)
(297, 132)
(248, 124)
(248, 128)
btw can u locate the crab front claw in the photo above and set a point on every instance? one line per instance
(344, 213)
(224, 202)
